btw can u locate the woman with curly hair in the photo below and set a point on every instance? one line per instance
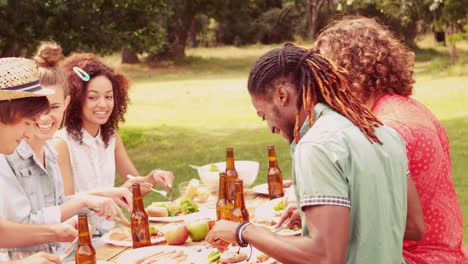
(381, 75)
(89, 148)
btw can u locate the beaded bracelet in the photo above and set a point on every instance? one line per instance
(238, 234)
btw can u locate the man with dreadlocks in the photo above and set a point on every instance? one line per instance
(349, 171)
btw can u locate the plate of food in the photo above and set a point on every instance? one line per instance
(234, 255)
(122, 236)
(159, 254)
(172, 211)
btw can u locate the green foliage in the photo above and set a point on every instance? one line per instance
(453, 38)
(100, 26)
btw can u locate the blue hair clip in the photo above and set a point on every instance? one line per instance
(81, 73)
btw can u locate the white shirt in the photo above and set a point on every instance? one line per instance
(92, 163)
(93, 167)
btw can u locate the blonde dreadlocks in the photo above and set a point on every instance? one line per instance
(317, 80)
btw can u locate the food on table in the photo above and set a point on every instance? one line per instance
(176, 234)
(168, 209)
(198, 230)
(214, 256)
(192, 189)
(203, 194)
(157, 211)
(214, 168)
(196, 190)
(232, 257)
(280, 206)
(263, 258)
(123, 233)
(188, 206)
(170, 256)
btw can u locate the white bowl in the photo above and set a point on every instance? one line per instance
(246, 169)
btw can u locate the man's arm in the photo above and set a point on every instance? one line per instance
(327, 241)
(328, 227)
(414, 229)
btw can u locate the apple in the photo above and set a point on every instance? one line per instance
(176, 234)
(198, 230)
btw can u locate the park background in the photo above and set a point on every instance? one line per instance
(188, 62)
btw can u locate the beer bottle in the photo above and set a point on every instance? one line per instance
(139, 220)
(223, 206)
(85, 253)
(239, 213)
(274, 176)
(231, 174)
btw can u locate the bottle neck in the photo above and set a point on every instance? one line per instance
(84, 237)
(222, 187)
(230, 159)
(239, 201)
(137, 200)
(272, 161)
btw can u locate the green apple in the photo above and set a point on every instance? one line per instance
(198, 230)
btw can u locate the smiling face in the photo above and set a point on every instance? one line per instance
(278, 109)
(98, 103)
(12, 134)
(46, 125)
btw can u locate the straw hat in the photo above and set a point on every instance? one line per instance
(19, 78)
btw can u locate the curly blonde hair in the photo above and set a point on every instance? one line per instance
(377, 61)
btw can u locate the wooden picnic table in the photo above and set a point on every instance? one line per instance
(111, 253)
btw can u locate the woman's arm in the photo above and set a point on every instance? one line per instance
(64, 162)
(124, 167)
(123, 164)
(414, 229)
(15, 235)
(38, 258)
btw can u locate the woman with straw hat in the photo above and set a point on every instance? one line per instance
(22, 99)
(38, 189)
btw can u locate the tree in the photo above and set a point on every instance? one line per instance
(453, 15)
(99, 26)
(312, 14)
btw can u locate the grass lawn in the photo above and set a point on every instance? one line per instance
(189, 114)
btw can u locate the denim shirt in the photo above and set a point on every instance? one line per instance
(35, 196)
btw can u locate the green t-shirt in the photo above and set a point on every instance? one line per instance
(335, 164)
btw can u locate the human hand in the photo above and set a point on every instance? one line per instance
(106, 207)
(121, 196)
(222, 234)
(66, 231)
(162, 177)
(290, 217)
(145, 186)
(40, 258)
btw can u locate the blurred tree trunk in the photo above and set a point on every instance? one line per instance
(129, 56)
(452, 29)
(312, 11)
(177, 49)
